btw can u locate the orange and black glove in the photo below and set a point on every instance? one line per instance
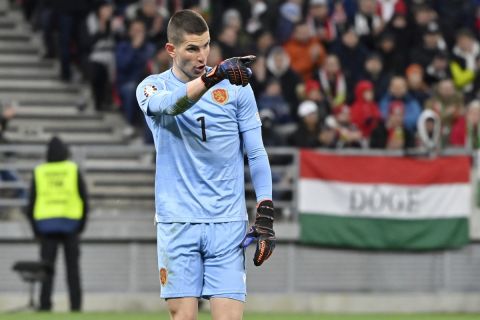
(234, 69)
(262, 232)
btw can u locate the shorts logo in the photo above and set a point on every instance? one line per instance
(149, 90)
(163, 276)
(220, 95)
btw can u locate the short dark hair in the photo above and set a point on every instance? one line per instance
(185, 22)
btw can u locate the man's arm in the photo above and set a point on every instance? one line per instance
(258, 163)
(154, 101)
(262, 229)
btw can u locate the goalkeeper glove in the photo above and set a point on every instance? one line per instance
(262, 232)
(234, 69)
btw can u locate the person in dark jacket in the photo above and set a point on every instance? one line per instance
(57, 211)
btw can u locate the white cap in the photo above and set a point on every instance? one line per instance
(307, 107)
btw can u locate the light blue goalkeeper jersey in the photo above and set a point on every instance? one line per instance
(199, 156)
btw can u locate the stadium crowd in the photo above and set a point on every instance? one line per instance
(388, 74)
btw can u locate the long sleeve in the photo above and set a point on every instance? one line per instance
(258, 162)
(154, 99)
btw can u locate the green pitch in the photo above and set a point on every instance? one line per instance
(248, 316)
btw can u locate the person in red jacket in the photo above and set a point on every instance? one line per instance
(364, 110)
(465, 131)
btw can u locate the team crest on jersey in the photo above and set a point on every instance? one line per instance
(149, 90)
(163, 276)
(220, 95)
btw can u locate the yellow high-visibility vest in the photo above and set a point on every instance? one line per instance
(57, 194)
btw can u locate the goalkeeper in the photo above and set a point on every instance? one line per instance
(202, 119)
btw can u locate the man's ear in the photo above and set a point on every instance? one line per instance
(170, 47)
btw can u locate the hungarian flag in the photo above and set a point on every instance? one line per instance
(378, 202)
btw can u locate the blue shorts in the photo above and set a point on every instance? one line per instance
(202, 260)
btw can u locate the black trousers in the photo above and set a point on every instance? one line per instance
(48, 251)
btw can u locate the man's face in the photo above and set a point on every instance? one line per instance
(398, 88)
(190, 56)
(302, 33)
(374, 66)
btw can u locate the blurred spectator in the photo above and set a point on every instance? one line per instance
(308, 131)
(454, 15)
(466, 131)
(352, 55)
(464, 63)
(365, 113)
(332, 82)
(161, 61)
(329, 133)
(273, 100)
(448, 103)
(263, 43)
(432, 43)
(398, 93)
(348, 134)
(339, 16)
(400, 27)
(270, 136)
(375, 73)
(57, 211)
(232, 19)
(71, 15)
(314, 93)
(394, 60)
(258, 13)
(290, 14)
(7, 112)
(428, 131)
(423, 15)
(416, 86)
(320, 22)
(388, 8)
(215, 56)
(391, 134)
(260, 75)
(367, 23)
(131, 58)
(305, 51)
(438, 69)
(153, 16)
(228, 42)
(101, 29)
(278, 66)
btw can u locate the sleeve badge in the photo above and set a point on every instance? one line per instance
(220, 96)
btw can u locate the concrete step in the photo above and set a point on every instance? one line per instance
(53, 111)
(19, 50)
(123, 192)
(79, 130)
(28, 74)
(41, 98)
(25, 61)
(123, 204)
(104, 180)
(118, 165)
(58, 117)
(69, 138)
(33, 86)
(14, 35)
(76, 123)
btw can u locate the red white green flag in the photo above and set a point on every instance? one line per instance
(378, 202)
